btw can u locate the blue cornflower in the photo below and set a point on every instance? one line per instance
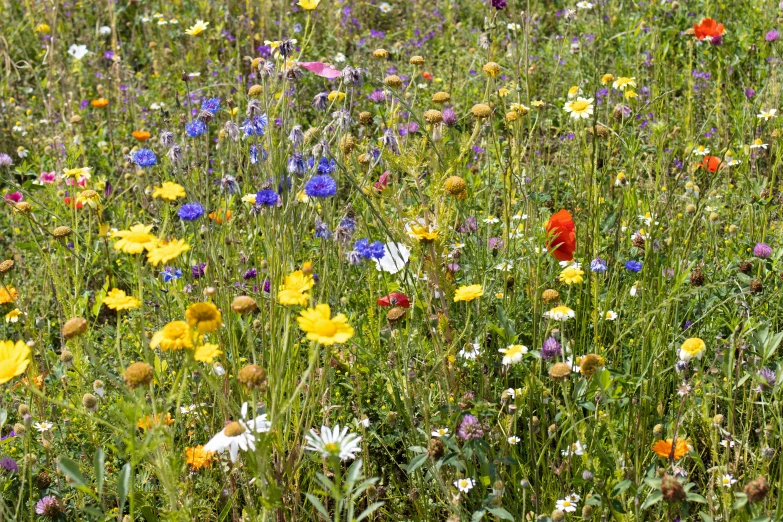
(171, 274)
(267, 197)
(190, 211)
(196, 128)
(255, 126)
(145, 158)
(322, 186)
(325, 166)
(253, 154)
(297, 164)
(322, 229)
(369, 250)
(349, 223)
(633, 266)
(211, 105)
(598, 265)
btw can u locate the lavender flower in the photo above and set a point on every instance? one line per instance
(9, 465)
(250, 274)
(762, 250)
(767, 379)
(598, 265)
(198, 270)
(49, 507)
(470, 428)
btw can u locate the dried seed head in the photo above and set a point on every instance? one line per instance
(61, 232)
(252, 377)
(74, 327)
(481, 110)
(138, 374)
(243, 304)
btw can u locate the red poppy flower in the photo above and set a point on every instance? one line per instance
(710, 163)
(562, 232)
(708, 28)
(395, 299)
(70, 202)
(426, 75)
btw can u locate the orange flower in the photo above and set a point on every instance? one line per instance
(562, 232)
(150, 421)
(711, 163)
(663, 448)
(218, 217)
(197, 458)
(99, 103)
(426, 75)
(8, 294)
(141, 135)
(708, 28)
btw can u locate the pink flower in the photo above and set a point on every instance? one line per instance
(71, 182)
(16, 197)
(321, 69)
(47, 177)
(382, 182)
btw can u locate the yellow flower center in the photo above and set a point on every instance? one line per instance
(233, 429)
(579, 105)
(332, 447)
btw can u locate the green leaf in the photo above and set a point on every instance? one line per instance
(695, 497)
(653, 499)
(149, 514)
(99, 465)
(317, 505)
(605, 379)
(123, 485)
(621, 488)
(510, 333)
(478, 515)
(742, 500)
(501, 513)
(705, 517)
(71, 470)
(762, 518)
(417, 462)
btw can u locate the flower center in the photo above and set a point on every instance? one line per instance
(233, 429)
(332, 447)
(326, 327)
(579, 105)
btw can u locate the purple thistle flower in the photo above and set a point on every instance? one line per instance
(762, 250)
(772, 36)
(49, 507)
(768, 379)
(550, 349)
(470, 428)
(449, 118)
(468, 226)
(750, 92)
(9, 465)
(498, 4)
(198, 270)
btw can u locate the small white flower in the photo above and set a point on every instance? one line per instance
(728, 443)
(513, 26)
(584, 5)
(385, 7)
(465, 484)
(43, 426)
(766, 115)
(727, 480)
(491, 220)
(364, 421)
(758, 143)
(187, 409)
(218, 369)
(194, 74)
(518, 216)
(565, 505)
(505, 266)
(78, 51)
(701, 150)
(574, 449)
(513, 354)
(440, 432)
(332, 442)
(513, 440)
(470, 351)
(511, 393)
(634, 289)
(339, 58)
(610, 315)
(573, 497)
(104, 30)
(22, 152)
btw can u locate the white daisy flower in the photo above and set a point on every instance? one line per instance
(238, 435)
(440, 432)
(727, 480)
(701, 150)
(332, 442)
(465, 484)
(44, 426)
(767, 115)
(610, 315)
(469, 351)
(566, 505)
(395, 255)
(513, 440)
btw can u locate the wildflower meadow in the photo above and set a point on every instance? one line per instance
(347, 260)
